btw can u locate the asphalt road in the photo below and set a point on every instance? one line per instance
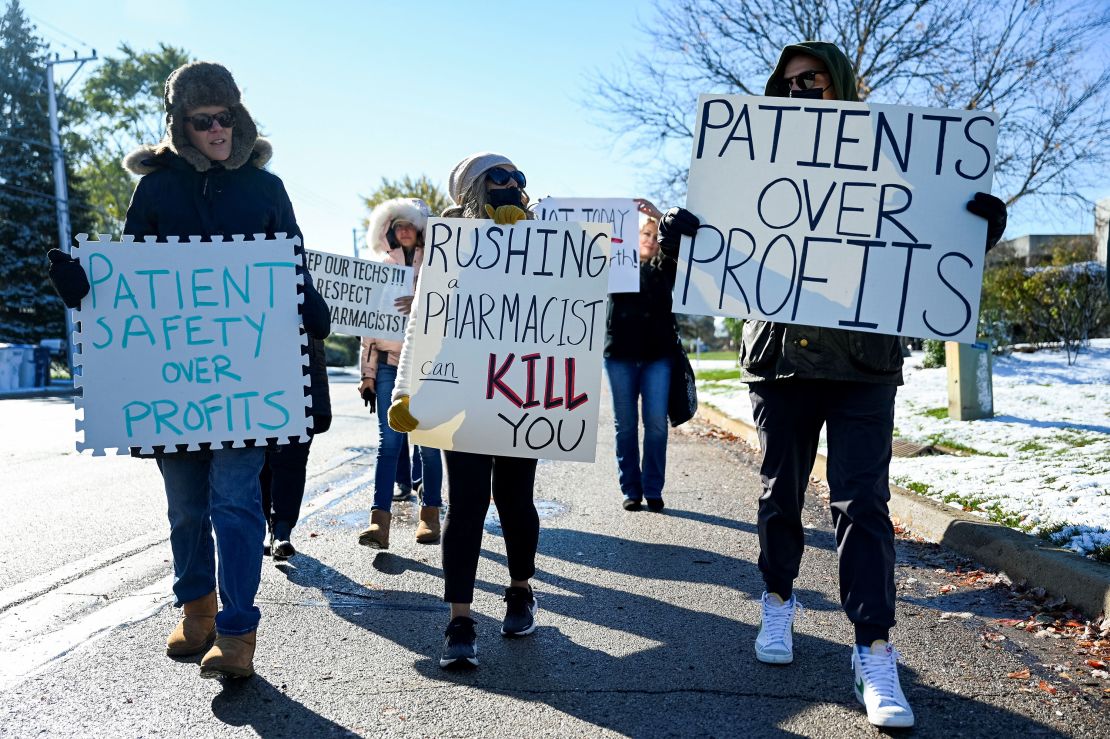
(646, 620)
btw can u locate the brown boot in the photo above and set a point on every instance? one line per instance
(197, 628)
(377, 536)
(427, 531)
(230, 656)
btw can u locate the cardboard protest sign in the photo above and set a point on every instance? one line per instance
(508, 327)
(623, 217)
(182, 344)
(361, 294)
(835, 214)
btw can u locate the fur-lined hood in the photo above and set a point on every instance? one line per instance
(144, 160)
(382, 218)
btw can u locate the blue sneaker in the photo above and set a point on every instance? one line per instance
(460, 647)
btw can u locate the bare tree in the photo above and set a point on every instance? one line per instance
(1030, 61)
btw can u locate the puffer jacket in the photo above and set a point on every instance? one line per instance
(174, 199)
(388, 251)
(774, 351)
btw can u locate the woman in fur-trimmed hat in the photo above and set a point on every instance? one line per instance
(396, 235)
(483, 185)
(206, 178)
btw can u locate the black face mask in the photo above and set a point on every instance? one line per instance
(814, 94)
(505, 196)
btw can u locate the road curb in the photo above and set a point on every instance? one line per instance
(1084, 582)
(33, 393)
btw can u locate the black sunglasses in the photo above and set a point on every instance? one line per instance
(203, 121)
(805, 81)
(499, 176)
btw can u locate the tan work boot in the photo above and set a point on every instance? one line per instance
(230, 656)
(427, 531)
(377, 536)
(197, 628)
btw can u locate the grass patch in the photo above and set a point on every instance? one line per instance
(731, 356)
(1101, 554)
(1032, 446)
(1076, 438)
(1006, 518)
(1050, 531)
(716, 375)
(969, 503)
(936, 412)
(1049, 480)
(940, 440)
(920, 488)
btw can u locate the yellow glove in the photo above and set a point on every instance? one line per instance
(505, 215)
(400, 420)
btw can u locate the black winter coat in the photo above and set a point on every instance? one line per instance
(640, 325)
(174, 199)
(771, 351)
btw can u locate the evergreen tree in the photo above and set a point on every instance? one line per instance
(122, 106)
(30, 310)
(407, 187)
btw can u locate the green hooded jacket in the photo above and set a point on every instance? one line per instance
(775, 351)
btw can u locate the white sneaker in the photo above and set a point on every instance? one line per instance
(775, 642)
(877, 686)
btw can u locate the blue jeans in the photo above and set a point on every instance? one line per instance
(631, 380)
(217, 491)
(389, 448)
(409, 470)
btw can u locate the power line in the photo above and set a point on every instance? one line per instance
(32, 142)
(76, 202)
(58, 30)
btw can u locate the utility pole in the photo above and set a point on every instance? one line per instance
(61, 190)
(354, 241)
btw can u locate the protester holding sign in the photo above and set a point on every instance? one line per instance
(641, 336)
(206, 179)
(396, 234)
(483, 185)
(802, 378)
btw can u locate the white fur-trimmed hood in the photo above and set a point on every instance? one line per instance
(413, 210)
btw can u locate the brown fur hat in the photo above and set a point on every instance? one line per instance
(205, 83)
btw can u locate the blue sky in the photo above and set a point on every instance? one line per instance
(350, 92)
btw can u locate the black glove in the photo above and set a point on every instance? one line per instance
(993, 211)
(68, 277)
(320, 423)
(370, 400)
(676, 223)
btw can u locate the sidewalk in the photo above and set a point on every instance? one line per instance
(646, 629)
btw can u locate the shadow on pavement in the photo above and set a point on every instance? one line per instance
(668, 562)
(269, 712)
(635, 664)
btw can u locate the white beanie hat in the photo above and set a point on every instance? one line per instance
(467, 172)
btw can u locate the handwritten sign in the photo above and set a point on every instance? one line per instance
(508, 328)
(623, 218)
(190, 343)
(837, 214)
(361, 294)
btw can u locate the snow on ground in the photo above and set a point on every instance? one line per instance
(1041, 464)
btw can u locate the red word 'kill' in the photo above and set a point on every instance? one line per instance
(495, 382)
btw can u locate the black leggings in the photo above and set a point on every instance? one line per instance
(470, 478)
(282, 480)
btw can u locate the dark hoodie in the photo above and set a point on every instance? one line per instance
(774, 351)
